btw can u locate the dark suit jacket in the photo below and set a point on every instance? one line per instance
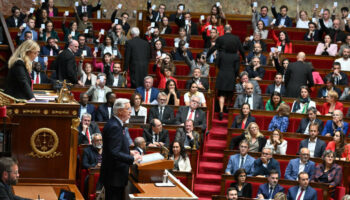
(18, 82)
(81, 49)
(343, 81)
(288, 22)
(7, 194)
(93, 128)
(235, 124)
(305, 121)
(297, 74)
(163, 136)
(89, 9)
(45, 51)
(204, 82)
(236, 140)
(43, 77)
(315, 36)
(10, 21)
(322, 92)
(66, 67)
(319, 149)
(259, 169)
(271, 89)
(338, 34)
(250, 46)
(90, 109)
(258, 103)
(116, 157)
(246, 189)
(265, 190)
(102, 114)
(154, 93)
(310, 193)
(89, 158)
(200, 118)
(181, 23)
(168, 115)
(110, 80)
(181, 136)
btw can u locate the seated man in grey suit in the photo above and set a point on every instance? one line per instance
(244, 79)
(98, 92)
(202, 82)
(241, 160)
(86, 129)
(163, 112)
(313, 143)
(115, 78)
(187, 136)
(156, 136)
(253, 99)
(192, 112)
(302, 164)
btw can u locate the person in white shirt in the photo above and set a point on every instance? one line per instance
(98, 92)
(345, 60)
(302, 18)
(277, 143)
(194, 92)
(315, 145)
(136, 108)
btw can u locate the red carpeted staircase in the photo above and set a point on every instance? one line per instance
(207, 182)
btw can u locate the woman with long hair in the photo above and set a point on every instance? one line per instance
(194, 92)
(244, 118)
(252, 134)
(302, 17)
(281, 66)
(18, 82)
(244, 189)
(281, 120)
(47, 32)
(108, 46)
(165, 70)
(274, 102)
(87, 78)
(107, 63)
(172, 92)
(339, 146)
(41, 18)
(277, 143)
(157, 50)
(259, 27)
(136, 108)
(326, 48)
(164, 27)
(282, 41)
(178, 154)
(214, 22)
(301, 104)
(70, 32)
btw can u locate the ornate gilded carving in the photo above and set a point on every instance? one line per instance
(60, 112)
(16, 111)
(75, 123)
(46, 111)
(74, 112)
(44, 143)
(64, 95)
(26, 111)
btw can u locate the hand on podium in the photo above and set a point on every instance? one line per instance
(136, 155)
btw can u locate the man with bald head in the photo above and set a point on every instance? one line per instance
(301, 164)
(65, 65)
(298, 74)
(251, 97)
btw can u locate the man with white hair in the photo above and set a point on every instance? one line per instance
(86, 129)
(116, 156)
(137, 56)
(192, 112)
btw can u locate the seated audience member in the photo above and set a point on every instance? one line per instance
(157, 50)
(163, 112)
(253, 99)
(189, 25)
(274, 102)
(255, 70)
(327, 48)
(244, 79)
(156, 136)
(241, 160)
(192, 112)
(312, 33)
(261, 16)
(180, 52)
(122, 21)
(140, 145)
(83, 49)
(260, 27)
(89, 9)
(252, 134)
(136, 108)
(271, 188)
(116, 78)
(331, 104)
(264, 164)
(187, 136)
(165, 61)
(276, 143)
(182, 35)
(71, 32)
(244, 118)
(181, 160)
(179, 13)
(345, 59)
(165, 70)
(173, 95)
(339, 146)
(92, 155)
(214, 22)
(302, 18)
(85, 107)
(255, 47)
(208, 40)
(153, 35)
(337, 123)
(282, 19)
(345, 96)
(282, 41)
(337, 35)
(82, 21)
(86, 129)
(16, 19)
(87, 78)
(154, 16)
(244, 189)
(310, 119)
(315, 145)
(202, 82)
(200, 63)
(281, 67)
(48, 32)
(98, 91)
(303, 189)
(107, 46)
(345, 45)
(339, 77)
(301, 164)
(277, 86)
(50, 49)
(38, 76)
(118, 35)
(164, 27)
(148, 92)
(329, 172)
(29, 26)
(194, 92)
(105, 111)
(303, 102)
(281, 120)
(217, 10)
(232, 194)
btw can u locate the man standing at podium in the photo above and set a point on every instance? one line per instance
(116, 156)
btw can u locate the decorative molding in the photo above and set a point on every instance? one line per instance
(44, 143)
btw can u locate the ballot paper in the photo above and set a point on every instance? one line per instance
(99, 14)
(273, 49)
(154, 7)
(42, 26)
(153, 24)
(335, 4)
(76, 4)
(159, 53)
(151, 157)
(66, 13)
(24, 25)
(210, 27)
(36, 59)
(31, 10)
(116, 21)
(84, 53)
(187, 45)
(86, 31)
(120, 6)
(102, 31)
(46, 59)
(314, 20)
(316, 5)
(255, 4)
(217, 4)
(181, 7)
(202, 17)
(115, 52)
(140, 16)
(96, 49)
(72, 33)
(279, 48)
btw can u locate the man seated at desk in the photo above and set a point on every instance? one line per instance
(86, 129)
(140, 145)
(156, 136)
(187, 136)
(192, 112)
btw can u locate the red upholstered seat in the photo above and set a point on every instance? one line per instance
(293, 145)
(135, 132)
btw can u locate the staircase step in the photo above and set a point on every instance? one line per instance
(204, 198)
(213, 177)
(207, 188)
(212, 166)
(215, 145)
(213, 155)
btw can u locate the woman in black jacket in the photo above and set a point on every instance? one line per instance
(244, 189)
(244, 118)
(254, 137)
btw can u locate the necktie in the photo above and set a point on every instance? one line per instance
(242, 162)
(190, 116)
(247, 101)
(301, 193)
(88, 135)
(335, 37)
(161, 113)
(37, 81)
(271, 192)
(146, 100)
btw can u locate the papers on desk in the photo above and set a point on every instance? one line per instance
(43, 97)
(151, 157)
(168, 184)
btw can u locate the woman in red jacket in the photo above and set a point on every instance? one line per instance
(339, 146)
(214, 22)
(283, 41)
(331, 104)
(165, 70)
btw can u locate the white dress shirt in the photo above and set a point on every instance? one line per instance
(312, 146)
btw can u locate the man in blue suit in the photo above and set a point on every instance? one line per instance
(302, 191)
(28, 27)
(264, 164)
(302, 164)
(241, 160)
(313, 143)
(104, 112)
(270, 189)
(116, 156)
(282, 20)
(148, 93)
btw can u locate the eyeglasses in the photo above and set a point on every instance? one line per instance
(15, 172)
